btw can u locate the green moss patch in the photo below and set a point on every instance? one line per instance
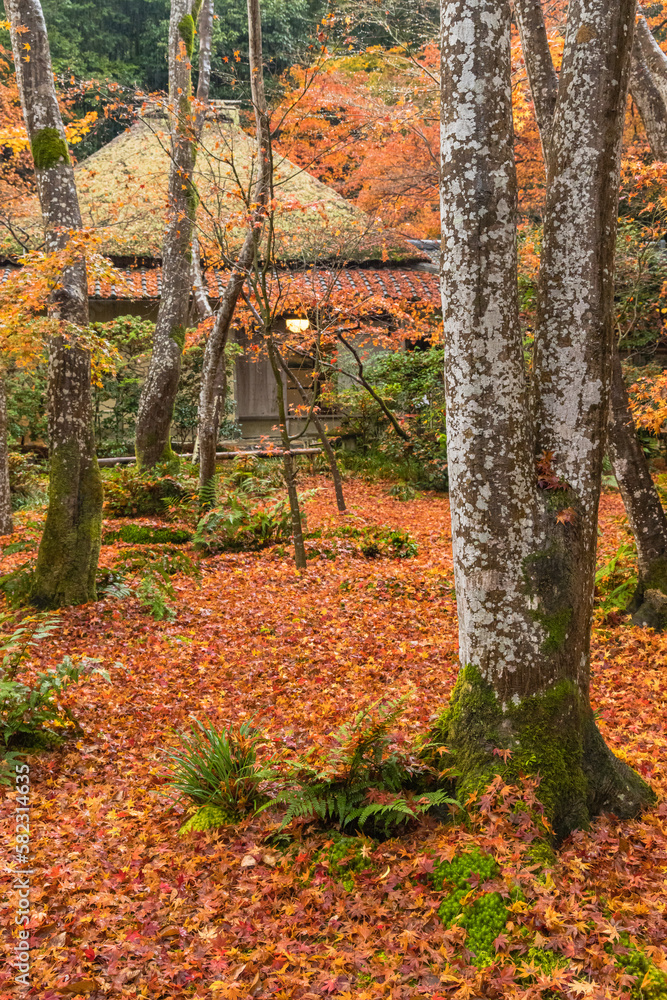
(49, 149)
(136, 534)
(178, 336)
(206, 818)
(484, 918)
(186, 29)
(650, 982)
(343, 860)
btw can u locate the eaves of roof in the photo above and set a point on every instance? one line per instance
(397, 283)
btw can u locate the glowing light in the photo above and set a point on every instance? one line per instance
(297, 325)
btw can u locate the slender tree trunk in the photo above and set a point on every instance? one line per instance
(362, 380)
(524, 578)
(648, 79)
(321, 433)
(156, 404)
(69, 549)
(214, 355)
(6, 520)
(288, 458)
(648, 86)
(539, 65)
(645, 511)
(653, 56)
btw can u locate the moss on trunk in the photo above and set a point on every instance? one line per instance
(551, 735)
(70, 546)
(49, 149)
(186, 29)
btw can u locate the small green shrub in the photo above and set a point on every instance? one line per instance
(485, 917)
(137, 534)
(154, 593)
(219, 771)
(403, 491)
(168, 561)
(17, 584)
(360, 780)
(24, 483)
(243, 524)
(370, 541)
(615, 582)
(128, 492)
(33, 712)
(111, 583)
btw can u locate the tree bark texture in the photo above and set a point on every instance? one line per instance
(524, 579)
(542, 75)
(156, 404)
(648, 86)
(210, 404)
(648, 80)
(69, 549)
(6, 520)
(642, 503)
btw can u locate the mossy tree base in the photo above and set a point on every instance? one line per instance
(649, 603)
(552, 736)
(70, 546)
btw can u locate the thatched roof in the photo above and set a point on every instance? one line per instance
(123, 190)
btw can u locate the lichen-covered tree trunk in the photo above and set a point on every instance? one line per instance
(648, 86)
(642, 503)
(6, 520)
(524, 544)
(69, 549)
(158, 394)
(210, 403)
(539, 65)
(648, 80)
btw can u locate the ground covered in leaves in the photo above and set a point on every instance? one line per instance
(124, 907)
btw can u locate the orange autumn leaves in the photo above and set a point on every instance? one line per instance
(122, 902)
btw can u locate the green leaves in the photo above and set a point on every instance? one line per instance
(361, 779)
(30, 710)
(219, 768)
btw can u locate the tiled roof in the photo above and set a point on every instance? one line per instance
(400, 284)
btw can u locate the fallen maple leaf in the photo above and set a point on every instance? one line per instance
(80, 986)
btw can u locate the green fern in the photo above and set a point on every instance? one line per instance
(361, 780)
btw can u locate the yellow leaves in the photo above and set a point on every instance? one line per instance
(15, 137)
(582, 987)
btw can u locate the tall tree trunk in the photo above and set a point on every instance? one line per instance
(6, 521)
(69, 549)
(648, 79)
(645, 511)
(524, 579)
(156, 404)
(210, 404)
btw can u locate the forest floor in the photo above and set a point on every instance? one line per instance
(122, 906)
